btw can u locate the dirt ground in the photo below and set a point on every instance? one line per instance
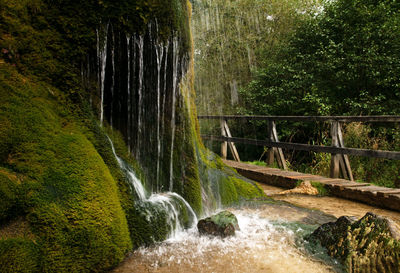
(330, 205)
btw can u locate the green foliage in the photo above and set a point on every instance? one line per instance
(322, 190)
(378, 171)
(257, 163)
(340, 62)
(233, 38)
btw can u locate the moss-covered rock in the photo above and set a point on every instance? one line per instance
(222, 224)
(370, 244)
(10, 191)
(69, 196)
(19, 256)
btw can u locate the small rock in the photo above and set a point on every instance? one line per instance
(304, 188)
(222, 224)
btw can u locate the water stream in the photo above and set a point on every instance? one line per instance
(269, 240)
(168, 202)
(102, 59)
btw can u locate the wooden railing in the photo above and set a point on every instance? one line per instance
(340, 163)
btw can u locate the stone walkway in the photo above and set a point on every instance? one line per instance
(364, 192)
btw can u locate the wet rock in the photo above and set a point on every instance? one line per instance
(370, 244)
(222, 224)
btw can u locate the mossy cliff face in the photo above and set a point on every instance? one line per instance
(64, 65)
(370, 244)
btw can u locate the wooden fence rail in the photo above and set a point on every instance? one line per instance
(340, 163)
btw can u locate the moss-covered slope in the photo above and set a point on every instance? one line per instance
(54, 177)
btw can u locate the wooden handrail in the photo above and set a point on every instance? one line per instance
(339, 153)
(390, 119)
(308, 147)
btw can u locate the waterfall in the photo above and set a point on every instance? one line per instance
(175, 54)
(168, 202)
(140, 43)
(160, 54)
(139, 76)
(128, 43)
(102, 59)
(113, 76)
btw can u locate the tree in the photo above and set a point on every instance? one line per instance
(346, 60)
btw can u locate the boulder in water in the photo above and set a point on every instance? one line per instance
(371, 244)
(222, 224)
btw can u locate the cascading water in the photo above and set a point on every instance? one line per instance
(139, 76)
(159, 54)
(129, 130)
(169, 202)
(102, 60)
(175, 54)
(140, 42)
(113, 75)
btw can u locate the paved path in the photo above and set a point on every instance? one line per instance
(364, 192)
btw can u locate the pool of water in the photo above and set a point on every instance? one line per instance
(269, 240)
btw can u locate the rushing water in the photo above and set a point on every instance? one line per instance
(169, 202)
(269, 240)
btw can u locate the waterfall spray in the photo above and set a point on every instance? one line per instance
(168, 202)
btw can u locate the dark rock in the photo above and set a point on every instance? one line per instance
(222, 224)
(329, 233)
(370, 244)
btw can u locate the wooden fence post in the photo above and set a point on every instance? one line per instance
(224, 144)
(232, 146)
(334, 173)
(344, 159)
(271, 150)
(225, 132)
(275, 152)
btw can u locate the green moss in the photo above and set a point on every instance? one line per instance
(322, 189)
(18, 256)
(233, 189)
(186, 166)
(73, 204)
(8, 195)
(227, 192)
(368, 245)
(259, 163)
